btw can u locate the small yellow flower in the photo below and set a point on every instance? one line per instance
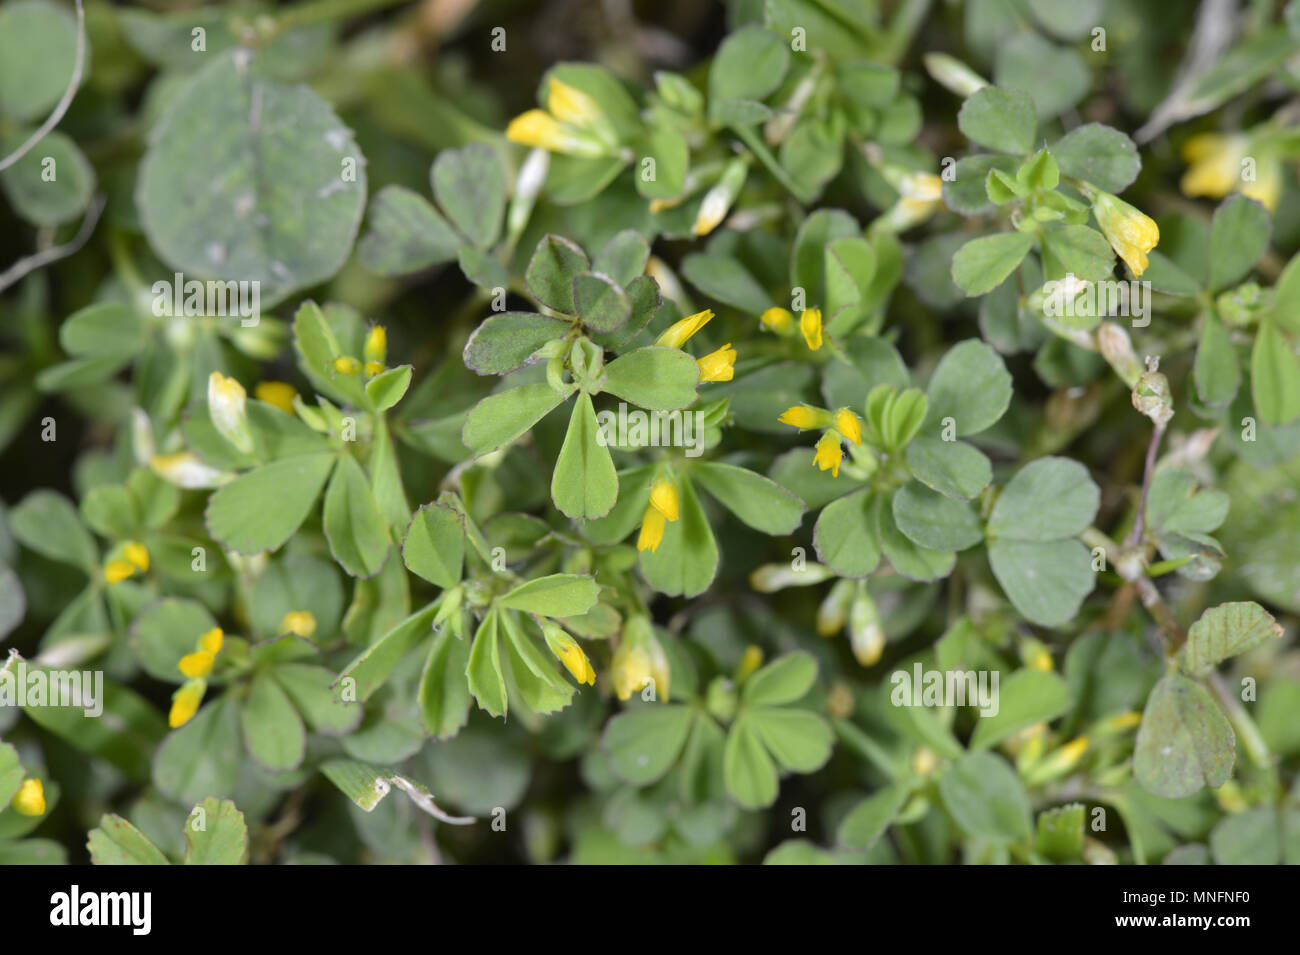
(299, 622)
(679, 333)
(1124, 721)
(719, 365)
(226, 406)
(1131, 233)
(924, 761)
(810, 323)
(185, 703)
(278, 394)
(376, 348)
(630, 668)
(1065, 758)
(137, 554)
(373, 368)
(777, 319)
(849, 425)
(1040, 660)
(664, 499)
(568, 652)
(197, 664)
(571, 105)
(540, 130)
(717, 201)
(829, 453)
(805, 417)
(750, 661)
(184, 469)
(212, 641)
(1214, 164)
(921, 187)
(117, 571)
(347, 365)
(30, 798)
(652, 530)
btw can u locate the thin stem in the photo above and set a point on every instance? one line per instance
(1247, 731)
(64, 102)
(1139, 523)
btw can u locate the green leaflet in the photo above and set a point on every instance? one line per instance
(584, 483)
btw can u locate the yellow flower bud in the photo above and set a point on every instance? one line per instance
(1214, 168)
(299, 622)
(849, 425)
(278, 394)
(570, 105)
(185, 703)
(1131, 233)
(652, 530)
(539, 129)
(184, 469)
(226, 398)
(197, 664)
(376, 348)
(664, 499)
(680, 332)
(212, 641)
(921, 187)
(373, 368)
(829, 453)
(810, 323)
(347, 365)
(719, 365)
(924, 761)
(778, 320)
(630, 669)
(137, 554)
(750, 661)
(30, 798)
(568, 652)
(116, 571)
(805, 417)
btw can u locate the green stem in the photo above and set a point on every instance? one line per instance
(1247, 731)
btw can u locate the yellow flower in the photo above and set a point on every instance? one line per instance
(712, 210)
(347, 365)
(829, 453)
(30, 798)
(679, 333)
(719, 365)
(652, 530)
(212, 641)
(1065, 758)
(805, 417)
(137, 554)
(663, 498)
(849, 425)
(185, 703)
(924, 761)
(571, 105)
(299, 622)
(373, 368)
(1123, 721)
(376, 348)
(777, 319)
(1131, 233)
(810, 323)
(279, 394)
(540, 130)
(184, 469)
(1214, 164)
(568, 652)
(921, 187)
(1267, 187)
(750, 661)
(117, 571)
(630, 669)
(197, 664)
(226, 399)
